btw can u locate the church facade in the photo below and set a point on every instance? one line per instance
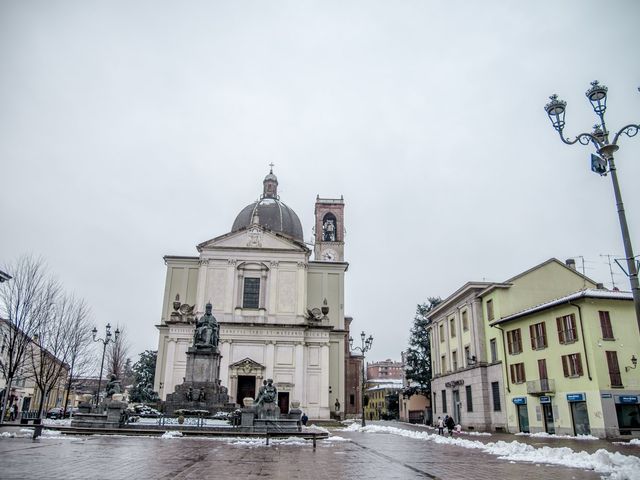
(281, 314)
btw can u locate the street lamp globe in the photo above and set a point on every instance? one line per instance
(556, 109)
(597, 95)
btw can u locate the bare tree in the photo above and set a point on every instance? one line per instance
(80, 356)
(25, 302)
(117, 353)
(52, 344)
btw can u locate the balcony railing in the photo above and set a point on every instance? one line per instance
(542, 386)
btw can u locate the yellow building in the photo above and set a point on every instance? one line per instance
(570, 365)
(379, 393)
(467, 358)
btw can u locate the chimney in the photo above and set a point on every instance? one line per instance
(571, 263)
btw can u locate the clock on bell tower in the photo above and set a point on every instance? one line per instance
(329, 230)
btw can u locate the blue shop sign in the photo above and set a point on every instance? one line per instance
(545, 399)
(520, 400)
(628, 399)
(575, 397)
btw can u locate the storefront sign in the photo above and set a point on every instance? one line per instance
(545, 399)
(520, 400)
(454, 383)
(627, 399)
(575, 397)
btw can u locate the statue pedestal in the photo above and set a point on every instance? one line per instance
(201, 391)
(203, 365)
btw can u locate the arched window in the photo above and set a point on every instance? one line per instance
(329, 228)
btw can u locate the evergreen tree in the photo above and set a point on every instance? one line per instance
(144, 371)
(418, 360)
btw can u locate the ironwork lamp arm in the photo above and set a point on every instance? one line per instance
(630, 130)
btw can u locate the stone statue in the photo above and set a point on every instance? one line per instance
(113, 386)
(189, 394)
(261, 391)
(268, 393)
(207, 330)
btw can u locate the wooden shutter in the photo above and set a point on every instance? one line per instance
(578, 365)
(544, 334)
(560, 330)
(510, 343)
(522, 375)
(542, 369)
(532, 334)
(605, 325)
(612, 362)
(565, 367)
(513, 373)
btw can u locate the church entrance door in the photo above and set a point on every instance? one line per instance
(246, 387)
(283, 402)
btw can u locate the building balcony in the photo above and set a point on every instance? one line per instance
(541, 387)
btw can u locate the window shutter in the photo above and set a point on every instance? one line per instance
(544, 334)
(532, 334)
(513, 372)
(579, 364)
(565, 367)
(523, 376)
(560, 330)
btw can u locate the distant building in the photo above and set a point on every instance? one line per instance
(414, 407)
(24, 391)
(380, 393)
(385, 369)
(353, 378)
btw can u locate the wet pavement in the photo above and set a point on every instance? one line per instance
(364, 456)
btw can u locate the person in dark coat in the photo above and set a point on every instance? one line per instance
(450, 424)
(304, 419)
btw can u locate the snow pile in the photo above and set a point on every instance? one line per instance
(548, 435)
(61, 422)
(635, 441)
(477, 434)
(171, 434)
(261, 442)
(336, 438)
(616, 465)
(7, 434)
(319, 429)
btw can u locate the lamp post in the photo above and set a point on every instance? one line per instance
(366, 346)
(108, 338)
(603, 158)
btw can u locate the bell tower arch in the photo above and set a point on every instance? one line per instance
(329, 229)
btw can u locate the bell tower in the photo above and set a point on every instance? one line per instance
(329, 230)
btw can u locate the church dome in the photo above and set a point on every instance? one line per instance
(271, 213)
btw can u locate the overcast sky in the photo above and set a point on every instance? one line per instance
(133, 130)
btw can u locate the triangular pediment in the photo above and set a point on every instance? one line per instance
(247, 365)
(254, 237)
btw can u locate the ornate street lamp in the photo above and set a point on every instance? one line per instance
(366, 346)
(105, 341)
(603, 158)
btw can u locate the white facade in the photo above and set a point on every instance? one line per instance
(276, 336)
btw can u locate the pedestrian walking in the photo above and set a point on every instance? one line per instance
(304, 419)
(15, 411)
(450, 424)
(440, 425)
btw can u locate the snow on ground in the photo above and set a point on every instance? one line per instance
(632, 442)
(548, 435)
(209, 422)
(58, 422)
(613, 464)
(171, 434)
(28, 433)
